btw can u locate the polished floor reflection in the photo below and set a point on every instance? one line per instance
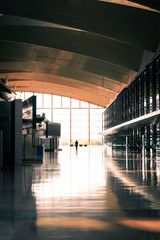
(92, 193)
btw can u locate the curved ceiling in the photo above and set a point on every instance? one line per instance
(85, 49)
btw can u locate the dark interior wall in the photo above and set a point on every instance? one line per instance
(1, 148)
(11, 125)
(5, 126)
(16, 131)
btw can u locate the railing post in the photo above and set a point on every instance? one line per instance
(143, 147)
(1, 149)
(127, 152)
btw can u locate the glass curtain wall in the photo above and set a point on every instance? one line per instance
(79, 120)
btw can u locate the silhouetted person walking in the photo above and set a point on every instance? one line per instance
(76, 144)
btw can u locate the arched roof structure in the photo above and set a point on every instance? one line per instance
(84, 49)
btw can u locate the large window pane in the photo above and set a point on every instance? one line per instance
(57, 101)
(93, 106)
(75, 103)
(79, 125)
(61, 114)
(65, 102)
(47, 101)
(84, 104)
(96, 125)
(28, 95)
(39, 99)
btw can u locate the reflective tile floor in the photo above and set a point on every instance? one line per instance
(92, 193)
